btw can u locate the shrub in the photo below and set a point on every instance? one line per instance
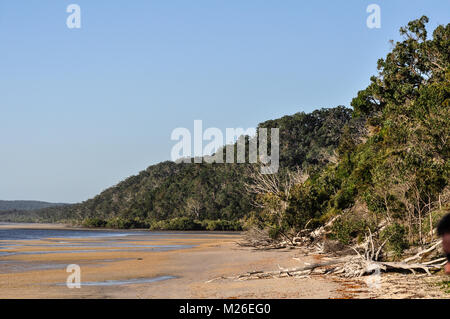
(183, 223)
(186, 223)
(396, 236)
(125, 223)
(223, 225)
(94, 222)
(178, 223)
(345, 197)
(159, 225)
(348, 228)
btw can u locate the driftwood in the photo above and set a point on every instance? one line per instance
(259, 239)
(363, 263)
(410, 267)
(358, 267)
(349, 267)
(287, 271)
(367, 263)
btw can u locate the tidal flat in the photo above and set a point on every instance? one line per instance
(145, 264)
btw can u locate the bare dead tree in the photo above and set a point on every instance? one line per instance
(274, 184)
(279, 188)
(193, 207)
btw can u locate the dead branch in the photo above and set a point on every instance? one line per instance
(298, 271)
(421, 254)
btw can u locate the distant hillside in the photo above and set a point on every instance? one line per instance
(202, 192)
(27, 205)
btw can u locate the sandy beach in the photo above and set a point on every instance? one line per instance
(212, 255)
(188, 267)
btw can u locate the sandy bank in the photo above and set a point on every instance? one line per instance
(211, 255)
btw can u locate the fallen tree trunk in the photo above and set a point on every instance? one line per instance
(364, 263)
(353, 267)
(411, 267)
(421, 254)
(289, 271)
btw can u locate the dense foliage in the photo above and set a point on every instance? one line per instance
(392, 175)
(20, 205)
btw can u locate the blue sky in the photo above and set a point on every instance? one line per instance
(82, 109)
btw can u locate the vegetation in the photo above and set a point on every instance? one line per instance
(445, 285)
(24, 205)
(392, 171)
(382, 168)
(201, 196)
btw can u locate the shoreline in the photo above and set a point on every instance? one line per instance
(44, 226)
(206, 266)
(209, 256)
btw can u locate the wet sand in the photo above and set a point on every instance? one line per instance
(113, 268)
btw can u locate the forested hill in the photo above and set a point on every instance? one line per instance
(24, 205)
(203, 192)
(391, 180)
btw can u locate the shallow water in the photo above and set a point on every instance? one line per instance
(124, 282)
(118, 235)
(33, 242)
(36, 234)
(44, 252)
(21, 248)
(101, 241)
(8, 266)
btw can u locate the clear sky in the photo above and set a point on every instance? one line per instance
(82, 109)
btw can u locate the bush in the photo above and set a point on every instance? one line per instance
(345, 197)
(94, 222)
(274, 232)
(223, 225)
(178, 223)
(251, 221)
(185, 223)
(348, 228)
(396, 236)
(445, 285)
(159, 225)
(126, 223)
